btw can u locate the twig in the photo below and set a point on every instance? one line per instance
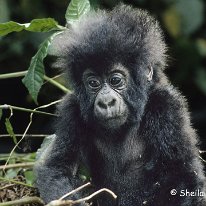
(23, 165)
(57, 76)
(74, 191)
(202, 159)
(12, 151)
(6, 106)
(24, 200)
(202, 151)
(48, 105)
(27, 128)
(16, 182)
(74, 202)
(94, 194)
(7, 186)
(60, 203)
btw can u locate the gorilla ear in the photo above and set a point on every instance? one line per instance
(150, 74)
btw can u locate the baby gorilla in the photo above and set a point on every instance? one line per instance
(124, 121)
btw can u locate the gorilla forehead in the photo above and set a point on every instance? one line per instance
(101, 38)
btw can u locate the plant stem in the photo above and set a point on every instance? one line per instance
(13, 75)
(6, 106)
(24, 200)
(57, 84)
(27, 135)
(22, 165)
(23, 73)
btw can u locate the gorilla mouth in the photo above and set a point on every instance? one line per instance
(112, 121)
(110, 117)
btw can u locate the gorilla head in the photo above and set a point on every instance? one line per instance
(109, 58)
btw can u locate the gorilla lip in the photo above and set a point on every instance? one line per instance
(112, 118)
(109, 118)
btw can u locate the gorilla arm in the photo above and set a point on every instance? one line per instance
(172, 144)
(57, 167)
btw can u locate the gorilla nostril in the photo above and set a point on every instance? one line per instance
(112, 103)
(102, 105)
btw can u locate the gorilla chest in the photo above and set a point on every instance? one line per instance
(115, 160)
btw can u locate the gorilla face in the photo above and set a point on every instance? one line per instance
(109, 107)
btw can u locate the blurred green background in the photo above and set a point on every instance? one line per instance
(184, 26)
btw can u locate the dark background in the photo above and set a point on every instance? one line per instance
(184, 26)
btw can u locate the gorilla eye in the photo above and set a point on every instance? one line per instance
(115, 80)
(94, 83)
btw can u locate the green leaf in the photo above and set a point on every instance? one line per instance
(10, 130)
(11, 26)
(1, 113)
(30, 156)
(34, 78)
(11, 173)
(36, 25)
(42, 25)
(29, 175)
(76, 9)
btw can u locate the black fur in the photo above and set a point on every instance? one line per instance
(154, 151)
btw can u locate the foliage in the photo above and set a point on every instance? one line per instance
(76, 10)
(10, 130)
(36, 25)
(35, 77)
(15, 171)
(33, 81)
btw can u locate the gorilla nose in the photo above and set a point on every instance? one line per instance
(106, 103)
